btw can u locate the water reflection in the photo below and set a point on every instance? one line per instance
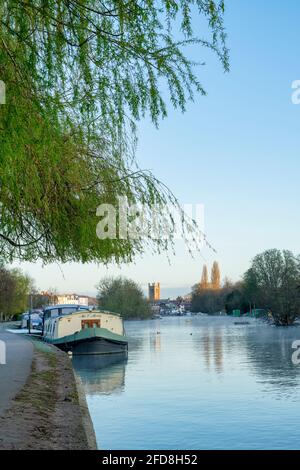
(269, 354)
(156, 342)
(204, 383)
(218, 350)
(101, 374)
(264, 350)
(211, 347)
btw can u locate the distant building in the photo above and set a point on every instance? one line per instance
(154, 291)
(92, 301)
(187, 298)
(72, 299)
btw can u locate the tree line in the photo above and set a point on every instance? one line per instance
(272, 283)
(15, 287)
(19, 294)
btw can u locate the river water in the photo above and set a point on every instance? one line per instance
(197, 383)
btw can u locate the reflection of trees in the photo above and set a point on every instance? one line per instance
(218, 351)
(265, 350)
(142, 336)
(206, 348)
(269, 351)
(136, 344)
(155, 342)
(136, 334)
(101, 374)
(212, 347)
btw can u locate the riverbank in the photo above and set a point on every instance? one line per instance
(50, 411)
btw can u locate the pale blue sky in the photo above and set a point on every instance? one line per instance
(236, 151)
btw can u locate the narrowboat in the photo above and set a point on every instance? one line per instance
(76, 329)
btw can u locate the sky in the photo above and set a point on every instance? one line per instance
(236, 151)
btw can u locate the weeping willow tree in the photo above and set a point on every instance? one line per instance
(79, 74)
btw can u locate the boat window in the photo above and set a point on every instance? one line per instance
(67, 310)
(91, 323)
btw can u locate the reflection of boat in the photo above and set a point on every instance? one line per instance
(76, 329)
(97, 361)
(101, 374)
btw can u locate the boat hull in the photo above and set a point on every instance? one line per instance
(92, 341)
(93, 346)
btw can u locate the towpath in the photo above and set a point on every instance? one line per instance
(13, 374)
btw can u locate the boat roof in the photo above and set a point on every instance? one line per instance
(75, 306)
(94, 311)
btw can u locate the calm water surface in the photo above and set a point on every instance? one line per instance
(198, 383)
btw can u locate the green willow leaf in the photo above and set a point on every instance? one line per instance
(79, 74)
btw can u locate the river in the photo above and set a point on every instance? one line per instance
(198, 383)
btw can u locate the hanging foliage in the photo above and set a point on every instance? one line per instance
(79, 75)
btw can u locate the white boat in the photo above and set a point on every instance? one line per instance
(76, 329)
